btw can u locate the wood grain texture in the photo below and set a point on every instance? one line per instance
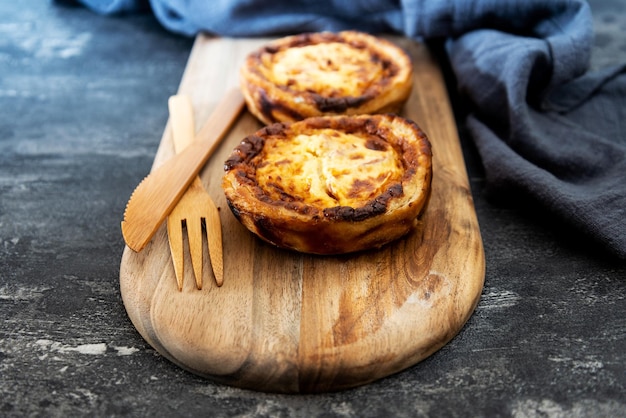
(289, 322)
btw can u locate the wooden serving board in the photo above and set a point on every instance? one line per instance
(289, 322)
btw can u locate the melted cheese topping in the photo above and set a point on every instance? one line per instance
(327, 168)
(329, 69)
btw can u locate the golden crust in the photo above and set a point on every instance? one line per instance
(325, 73)
(331, 185)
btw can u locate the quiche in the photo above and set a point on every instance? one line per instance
(330, 184)
(325, 73)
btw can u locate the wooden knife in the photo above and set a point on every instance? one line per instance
(156, 196)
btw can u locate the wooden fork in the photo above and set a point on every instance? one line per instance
(195, 205)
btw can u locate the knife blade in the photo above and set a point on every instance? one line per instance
(155, 197)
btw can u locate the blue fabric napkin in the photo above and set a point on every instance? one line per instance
(551, 136)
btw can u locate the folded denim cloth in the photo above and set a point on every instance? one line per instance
(108, 7)
(549, 134)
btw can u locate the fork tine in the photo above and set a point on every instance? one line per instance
(175, 239)
(214, 241)
(194, 235)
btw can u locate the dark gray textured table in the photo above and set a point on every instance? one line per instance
(83, 103)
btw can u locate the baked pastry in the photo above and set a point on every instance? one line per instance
(330, 184)
(325, 73)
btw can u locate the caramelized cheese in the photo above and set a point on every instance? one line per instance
(330, 185)
(331, 69)
(327, 168)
